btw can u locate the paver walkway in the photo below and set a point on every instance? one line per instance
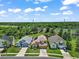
(22, 51)
(43, 53)
(1, 49)
(66, 55)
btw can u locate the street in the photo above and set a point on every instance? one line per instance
(29, 58)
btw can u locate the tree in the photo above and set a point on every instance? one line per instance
(65, 36)
(68, 44)
(61, 32)
(77, 45)
(5, 44)
(69, 35)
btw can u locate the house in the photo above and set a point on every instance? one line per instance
(40, 42)
(7, 39)
(1, 43)
(24, 42)
(56, 42)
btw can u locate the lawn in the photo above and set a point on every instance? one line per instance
(11, 50)
(29, 50)
(54, 51)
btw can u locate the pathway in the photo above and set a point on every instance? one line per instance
(43, 53)
(22, 51)
(66, 55)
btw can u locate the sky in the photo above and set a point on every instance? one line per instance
(39, 10)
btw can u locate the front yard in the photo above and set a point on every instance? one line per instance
(54, 52)
(32, 52)
(11, 50)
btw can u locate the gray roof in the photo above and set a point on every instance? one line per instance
(27, 39)
(55, 39)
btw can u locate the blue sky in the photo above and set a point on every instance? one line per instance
(39, 10)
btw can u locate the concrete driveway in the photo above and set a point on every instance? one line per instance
(43, 53)
(66, 55)
(22, 51)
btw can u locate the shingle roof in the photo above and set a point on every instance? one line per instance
(55, 38)
(27, 39)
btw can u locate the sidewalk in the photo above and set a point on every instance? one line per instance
(22, 51)
(43, 53)
(66, 55)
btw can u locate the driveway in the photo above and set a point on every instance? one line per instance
(22, 51)
(66, 55)
(43, 53)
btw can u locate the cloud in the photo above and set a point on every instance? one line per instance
(39, 9)
(67, 2)
(17, 10)
(2, 12)
(64, 8)
(45, 7)
(37, 14)
(55, 14)
(28, 10)
(38, 1)
(77, 5)
(67, 12)
(43, 0)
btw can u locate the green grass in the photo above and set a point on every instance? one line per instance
(31, 54)
(35, 35)
(8, 55)
(74, 53)
(54, 51)
(12, 50)
(52, 55)
(29, 50)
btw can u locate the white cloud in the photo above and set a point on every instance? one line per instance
(14, 10)
(45, 7)
(67, 12)
(38, 1)
(2, 12)
(67, 2)
(43, 0)
(64, 8)
(37, 14)
(39, 9)
(55, 14)
(77, 5)
(28, 10)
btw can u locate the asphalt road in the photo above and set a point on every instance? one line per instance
(28, 58)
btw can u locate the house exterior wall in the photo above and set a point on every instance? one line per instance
(53, 46)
